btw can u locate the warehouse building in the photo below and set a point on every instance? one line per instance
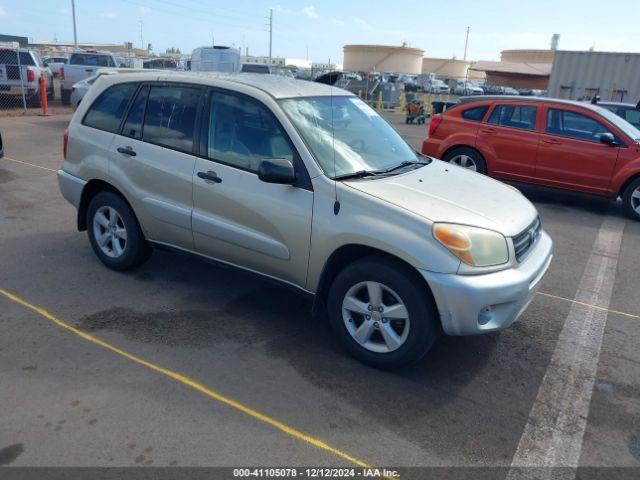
(515, 74)
(583, 75)
(383, 58)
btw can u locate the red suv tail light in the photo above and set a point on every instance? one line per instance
(31, 75)
(436, 120)
(61, 73)
(65, 142)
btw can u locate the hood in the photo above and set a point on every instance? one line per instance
(442, 192)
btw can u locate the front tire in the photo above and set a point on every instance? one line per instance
(467, 158)
(114, 232)
(382, 313)
(631, 199)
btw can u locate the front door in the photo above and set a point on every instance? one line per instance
(571, 154)
(238, 218)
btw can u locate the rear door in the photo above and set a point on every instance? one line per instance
(238, 218)
(571, 154)
(153, 159)
(511, 138)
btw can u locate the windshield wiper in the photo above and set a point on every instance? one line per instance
(358, 174)
(406, 163)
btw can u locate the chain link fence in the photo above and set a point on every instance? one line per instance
(27, 86)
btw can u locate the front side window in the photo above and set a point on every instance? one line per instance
(514, 116)
(570, 124)
(475, 114)
(345, 133)
(243, 132)
(107, 111)
(170, 116)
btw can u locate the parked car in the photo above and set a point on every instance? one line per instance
(80, 89)
(383, 237)
(20, 69)
(556, 143)
(438, 86)
(215, 59)
(628, 111)
(81, 65)
(54, 64)
(160, 64)
(467, 88)
(510, 91)
(492, 89)
(1, 146)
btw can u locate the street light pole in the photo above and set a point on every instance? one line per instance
(270, 32)
(73, 14)
(466, 43)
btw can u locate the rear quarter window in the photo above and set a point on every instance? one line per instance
(107, 110)
(475, 114)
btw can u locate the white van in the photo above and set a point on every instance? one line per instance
(216, 59)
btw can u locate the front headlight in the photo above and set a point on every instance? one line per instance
(475, 246)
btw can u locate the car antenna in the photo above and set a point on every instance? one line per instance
(336, 204)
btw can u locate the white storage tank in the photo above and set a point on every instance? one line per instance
(383, 59)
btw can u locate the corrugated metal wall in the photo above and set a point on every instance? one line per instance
(580, 75)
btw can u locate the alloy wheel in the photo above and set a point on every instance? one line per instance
(109, 231)
(635, 200)
(375, 317)
(465, 161)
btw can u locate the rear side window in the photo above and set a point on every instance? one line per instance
(475, 114)
(574, 125)
(633, 117)
(133, 125)
(10, 57)
(170, 116)
(514, 116)
(107, 111)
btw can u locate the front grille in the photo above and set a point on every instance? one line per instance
(523, 242)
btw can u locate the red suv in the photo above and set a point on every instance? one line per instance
(551, 142)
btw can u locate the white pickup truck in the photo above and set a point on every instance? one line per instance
(82, 65)
(20, 71)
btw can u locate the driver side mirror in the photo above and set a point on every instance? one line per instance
(608, 139)
(277, 170)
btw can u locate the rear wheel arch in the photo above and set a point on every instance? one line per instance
(90, 190)
(348, 254)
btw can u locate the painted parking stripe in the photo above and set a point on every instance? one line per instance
(191, 383)
(27, 163)
(555, 428)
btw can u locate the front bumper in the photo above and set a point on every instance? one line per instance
(472, 304)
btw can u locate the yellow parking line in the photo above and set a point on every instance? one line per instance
(596, 307)
(30, 164)
(190, 383)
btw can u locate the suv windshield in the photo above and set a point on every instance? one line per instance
(627, 128)
(360, 139)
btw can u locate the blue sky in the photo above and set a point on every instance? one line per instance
(323, 27)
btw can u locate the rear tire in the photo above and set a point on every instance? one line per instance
(364, 331)
(631, 199)
(468, 158)
(114, 233)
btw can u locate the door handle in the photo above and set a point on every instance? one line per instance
(88, 69)
(210, 176)
(552, 141)
(127, 151)
(489, 130)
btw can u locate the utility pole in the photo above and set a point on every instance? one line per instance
(141, 40)
(466, 43)
(270, 33)
(73, 14)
